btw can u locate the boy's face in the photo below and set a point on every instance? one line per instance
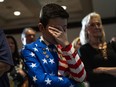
(58, 23)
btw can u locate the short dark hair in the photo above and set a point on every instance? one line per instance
(51, 11)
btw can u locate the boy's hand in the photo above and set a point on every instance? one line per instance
(60, 34)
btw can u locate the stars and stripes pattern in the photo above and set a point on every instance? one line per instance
(70, 62)
(42, 66)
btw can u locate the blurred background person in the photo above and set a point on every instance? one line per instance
(113, 39)
(28, 35)
(6, 62)
(17, 74)
(76, 43)
(99, 57)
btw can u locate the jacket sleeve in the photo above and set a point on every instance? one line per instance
(39, 76)
(76, 66)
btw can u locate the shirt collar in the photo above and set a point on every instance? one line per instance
(42, 39)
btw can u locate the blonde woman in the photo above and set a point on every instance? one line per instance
(98, 57)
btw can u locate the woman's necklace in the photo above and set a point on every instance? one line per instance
(103, 49)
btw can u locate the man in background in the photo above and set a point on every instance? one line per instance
(28, 35)
(113, 39)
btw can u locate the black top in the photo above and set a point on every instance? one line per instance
(5, 56)
(92, 58)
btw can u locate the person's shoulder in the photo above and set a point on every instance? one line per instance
(113, 43)
(1, 32)
(85, 46)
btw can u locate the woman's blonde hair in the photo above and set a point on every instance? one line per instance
(85, 21)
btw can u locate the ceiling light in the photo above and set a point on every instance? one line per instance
(17, 13)
(1, 0)
(64, 7)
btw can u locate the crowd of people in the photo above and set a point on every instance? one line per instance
(52, 61)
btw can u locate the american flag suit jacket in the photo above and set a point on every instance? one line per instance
(42, 66)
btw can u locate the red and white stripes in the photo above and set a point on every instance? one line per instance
(70, 62)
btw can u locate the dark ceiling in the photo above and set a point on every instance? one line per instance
(30, 11)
